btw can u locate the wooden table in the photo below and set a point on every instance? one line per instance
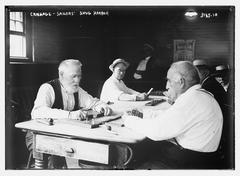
(121, 106)
(98, 145)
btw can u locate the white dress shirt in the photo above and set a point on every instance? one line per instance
(141, 67)
(226, 87)
(46, 96)
(113, 88)
(195, 120)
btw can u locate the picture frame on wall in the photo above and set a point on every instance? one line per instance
(184, 50)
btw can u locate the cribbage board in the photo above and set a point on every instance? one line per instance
(92, 122)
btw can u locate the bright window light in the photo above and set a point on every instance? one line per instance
(17, 35)
(16, 21)
(17, 46)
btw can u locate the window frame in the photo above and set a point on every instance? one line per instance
(27, 33)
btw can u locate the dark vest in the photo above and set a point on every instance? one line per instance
(58, 102)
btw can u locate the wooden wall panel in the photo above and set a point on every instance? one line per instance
(48, 41)
(97, 41)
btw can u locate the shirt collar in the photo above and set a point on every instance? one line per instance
(63, 88)
(147, 58)
(189, 90)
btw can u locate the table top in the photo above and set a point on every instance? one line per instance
(72, 129)
(122, 106)
(69, 129)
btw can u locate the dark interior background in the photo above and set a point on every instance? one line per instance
(97, 40)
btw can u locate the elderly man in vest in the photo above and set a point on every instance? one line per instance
(187, 134)
(62, 98)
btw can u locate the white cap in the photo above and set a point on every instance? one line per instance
(117, 61)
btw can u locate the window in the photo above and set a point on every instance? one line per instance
(18, 37)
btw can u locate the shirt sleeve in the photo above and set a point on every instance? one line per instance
(142, 65)
(129, 90)
(113, 91)
(89, 102)
(43, 103)
(158, 125)
(110, 91)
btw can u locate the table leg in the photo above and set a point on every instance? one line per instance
(39, 164)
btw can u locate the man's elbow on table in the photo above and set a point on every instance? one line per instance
(35, 115)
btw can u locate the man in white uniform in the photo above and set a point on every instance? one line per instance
(193, 123)
(114, 87)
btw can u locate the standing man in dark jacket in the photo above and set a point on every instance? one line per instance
(209, 82)
(146, 68)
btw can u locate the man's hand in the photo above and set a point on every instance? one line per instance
(78, 115)
(130, 115)
(141, 97)
(165, 93)
(104, 109)
(169, 100)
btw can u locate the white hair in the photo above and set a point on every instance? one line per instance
(65, 63)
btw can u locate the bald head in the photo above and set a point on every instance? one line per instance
(187, 71)
(181, 76)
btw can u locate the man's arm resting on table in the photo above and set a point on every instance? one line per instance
(127, 97)
(159, 128)
(103, 108)
(132, 97)
(46, 112)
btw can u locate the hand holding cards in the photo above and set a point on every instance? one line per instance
(135, 112)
